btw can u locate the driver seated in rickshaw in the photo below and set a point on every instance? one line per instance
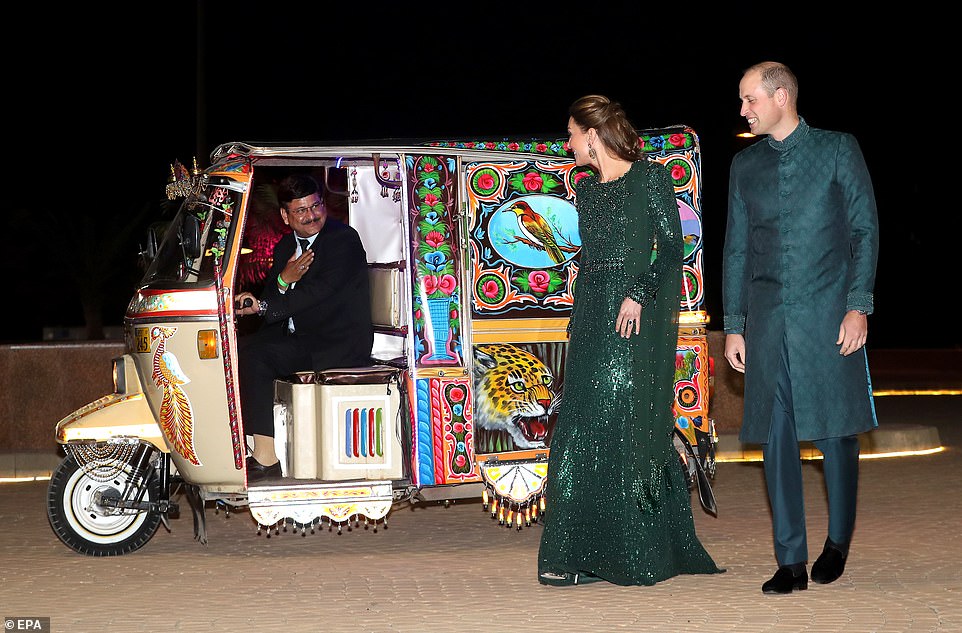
(315, 309)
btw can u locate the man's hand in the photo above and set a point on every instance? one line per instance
(852, 332)
(245, 304)
(296, 266)
(735, 351)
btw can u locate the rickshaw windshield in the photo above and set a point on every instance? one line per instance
(196, 237)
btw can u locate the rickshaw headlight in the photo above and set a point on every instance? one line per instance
(207, 344)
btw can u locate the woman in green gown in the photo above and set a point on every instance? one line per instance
(618, 507)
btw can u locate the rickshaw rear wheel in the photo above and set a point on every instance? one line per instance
(89, 528)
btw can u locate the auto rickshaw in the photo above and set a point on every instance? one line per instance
(461, 299)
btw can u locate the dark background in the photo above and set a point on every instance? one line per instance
(100, 103)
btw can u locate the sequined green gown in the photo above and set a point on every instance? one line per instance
(618, 507)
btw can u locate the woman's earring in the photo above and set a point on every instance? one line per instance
(592, 154)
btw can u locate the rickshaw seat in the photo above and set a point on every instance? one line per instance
(369, 375)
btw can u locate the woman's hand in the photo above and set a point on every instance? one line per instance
(629, 318)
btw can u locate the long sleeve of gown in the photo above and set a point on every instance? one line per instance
(666, 242)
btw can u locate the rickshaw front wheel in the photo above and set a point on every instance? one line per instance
(86, 526)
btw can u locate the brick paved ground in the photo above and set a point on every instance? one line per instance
(452, 569)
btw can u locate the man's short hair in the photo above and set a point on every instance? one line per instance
(295, 187)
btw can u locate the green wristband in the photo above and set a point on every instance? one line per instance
(283, 284)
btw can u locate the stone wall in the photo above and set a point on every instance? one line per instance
(40, 383)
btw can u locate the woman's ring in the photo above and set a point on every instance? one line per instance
(630, 321)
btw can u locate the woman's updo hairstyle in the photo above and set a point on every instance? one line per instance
(611, 123)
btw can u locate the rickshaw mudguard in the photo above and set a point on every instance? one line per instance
(114, 416)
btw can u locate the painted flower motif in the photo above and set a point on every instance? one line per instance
(486, 181)
(454, 314)
(458, 427)
(579, 176)
(491, 289)
(490, 145)
(434, 238)
(430, 283)
(461, 460)
(678, 172)
(538, 280)
(431, 183)
(447, 284)
(657, 142)
(428, 167)
(432, 217)
(542, 147)
(513, 146)
(533, 181)
(678, 140)
(435, 260)
(456, 394)
(418, 314)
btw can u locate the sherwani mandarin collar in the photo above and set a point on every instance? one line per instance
(793, 139)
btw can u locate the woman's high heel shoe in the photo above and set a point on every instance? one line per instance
(566, 579)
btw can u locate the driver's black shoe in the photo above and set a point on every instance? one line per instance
(787, 580)
(257, 471)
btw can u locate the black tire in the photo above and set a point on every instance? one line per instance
(88, 528)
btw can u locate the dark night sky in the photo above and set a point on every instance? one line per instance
(100, 104)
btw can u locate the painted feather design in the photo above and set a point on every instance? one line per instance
(176, 417)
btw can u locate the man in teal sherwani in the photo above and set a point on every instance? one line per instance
(801, 248)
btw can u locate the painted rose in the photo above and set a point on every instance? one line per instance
(532, 181)
(458, 427)
(460, 460)
(542, 147)
(431, 199)
(538, 281)
(486, 181)
(513, 146)
(678, 172)
(490, 145)
(428, 167)
(456, 394)
(579, 176)
(447, 284)
(490, 289)
(434, 238)
(678, 140)
(430, 284)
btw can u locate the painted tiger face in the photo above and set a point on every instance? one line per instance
(513, 393)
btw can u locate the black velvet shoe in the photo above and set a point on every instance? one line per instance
(786, 580)
(829, 565)
(257, 471)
